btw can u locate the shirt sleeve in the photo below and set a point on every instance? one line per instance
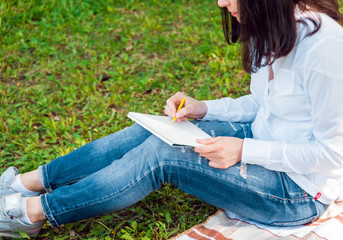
(243, 109)
(324, 151)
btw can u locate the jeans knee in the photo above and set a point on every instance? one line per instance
(156, 153)
(136, 129)
(155, 146)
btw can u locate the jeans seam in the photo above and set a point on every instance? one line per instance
(43, 173)
(289, 199)
(44, 177)
(299, 222)
(70, 181)
(295, 223)
(47, 211)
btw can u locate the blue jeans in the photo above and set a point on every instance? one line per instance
(119, 170)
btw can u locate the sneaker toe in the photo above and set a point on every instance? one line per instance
(6, 179)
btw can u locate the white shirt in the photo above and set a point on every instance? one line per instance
(298, 116)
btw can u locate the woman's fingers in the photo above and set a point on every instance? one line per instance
(172, 104)
(222, 152)
(191, 109)
(207, 148)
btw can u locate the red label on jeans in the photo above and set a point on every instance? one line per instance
(318, 196)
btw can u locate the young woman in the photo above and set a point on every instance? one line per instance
(276, 155)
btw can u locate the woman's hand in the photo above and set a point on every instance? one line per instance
(223, 152)
(191, 109)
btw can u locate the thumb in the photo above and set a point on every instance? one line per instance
(206, 141)
(214, 164)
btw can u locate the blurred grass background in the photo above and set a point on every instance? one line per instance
(71, 70)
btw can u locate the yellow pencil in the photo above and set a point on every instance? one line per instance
(180, 106)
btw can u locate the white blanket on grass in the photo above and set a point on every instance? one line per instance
(221, 226)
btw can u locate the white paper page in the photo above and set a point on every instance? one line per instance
(179, 133)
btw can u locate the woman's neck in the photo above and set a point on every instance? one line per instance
(271, 73)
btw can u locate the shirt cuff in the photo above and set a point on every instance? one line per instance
(256, 152)
(214, 109)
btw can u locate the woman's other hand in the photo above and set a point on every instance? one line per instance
(191, 109)
(223, 152)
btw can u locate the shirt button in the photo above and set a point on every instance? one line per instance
(266, 114)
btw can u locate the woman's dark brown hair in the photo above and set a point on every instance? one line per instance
(268, 28)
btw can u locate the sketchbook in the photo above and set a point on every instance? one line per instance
(178, 134)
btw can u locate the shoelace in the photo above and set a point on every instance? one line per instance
(3, 186)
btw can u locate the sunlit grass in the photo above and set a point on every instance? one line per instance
(71, 70)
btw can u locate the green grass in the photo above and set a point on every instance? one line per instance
(71, 70)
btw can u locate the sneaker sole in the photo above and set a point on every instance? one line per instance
(15, 235)
(32, 233)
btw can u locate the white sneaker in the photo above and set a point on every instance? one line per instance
(10, 225)
(7, 179)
